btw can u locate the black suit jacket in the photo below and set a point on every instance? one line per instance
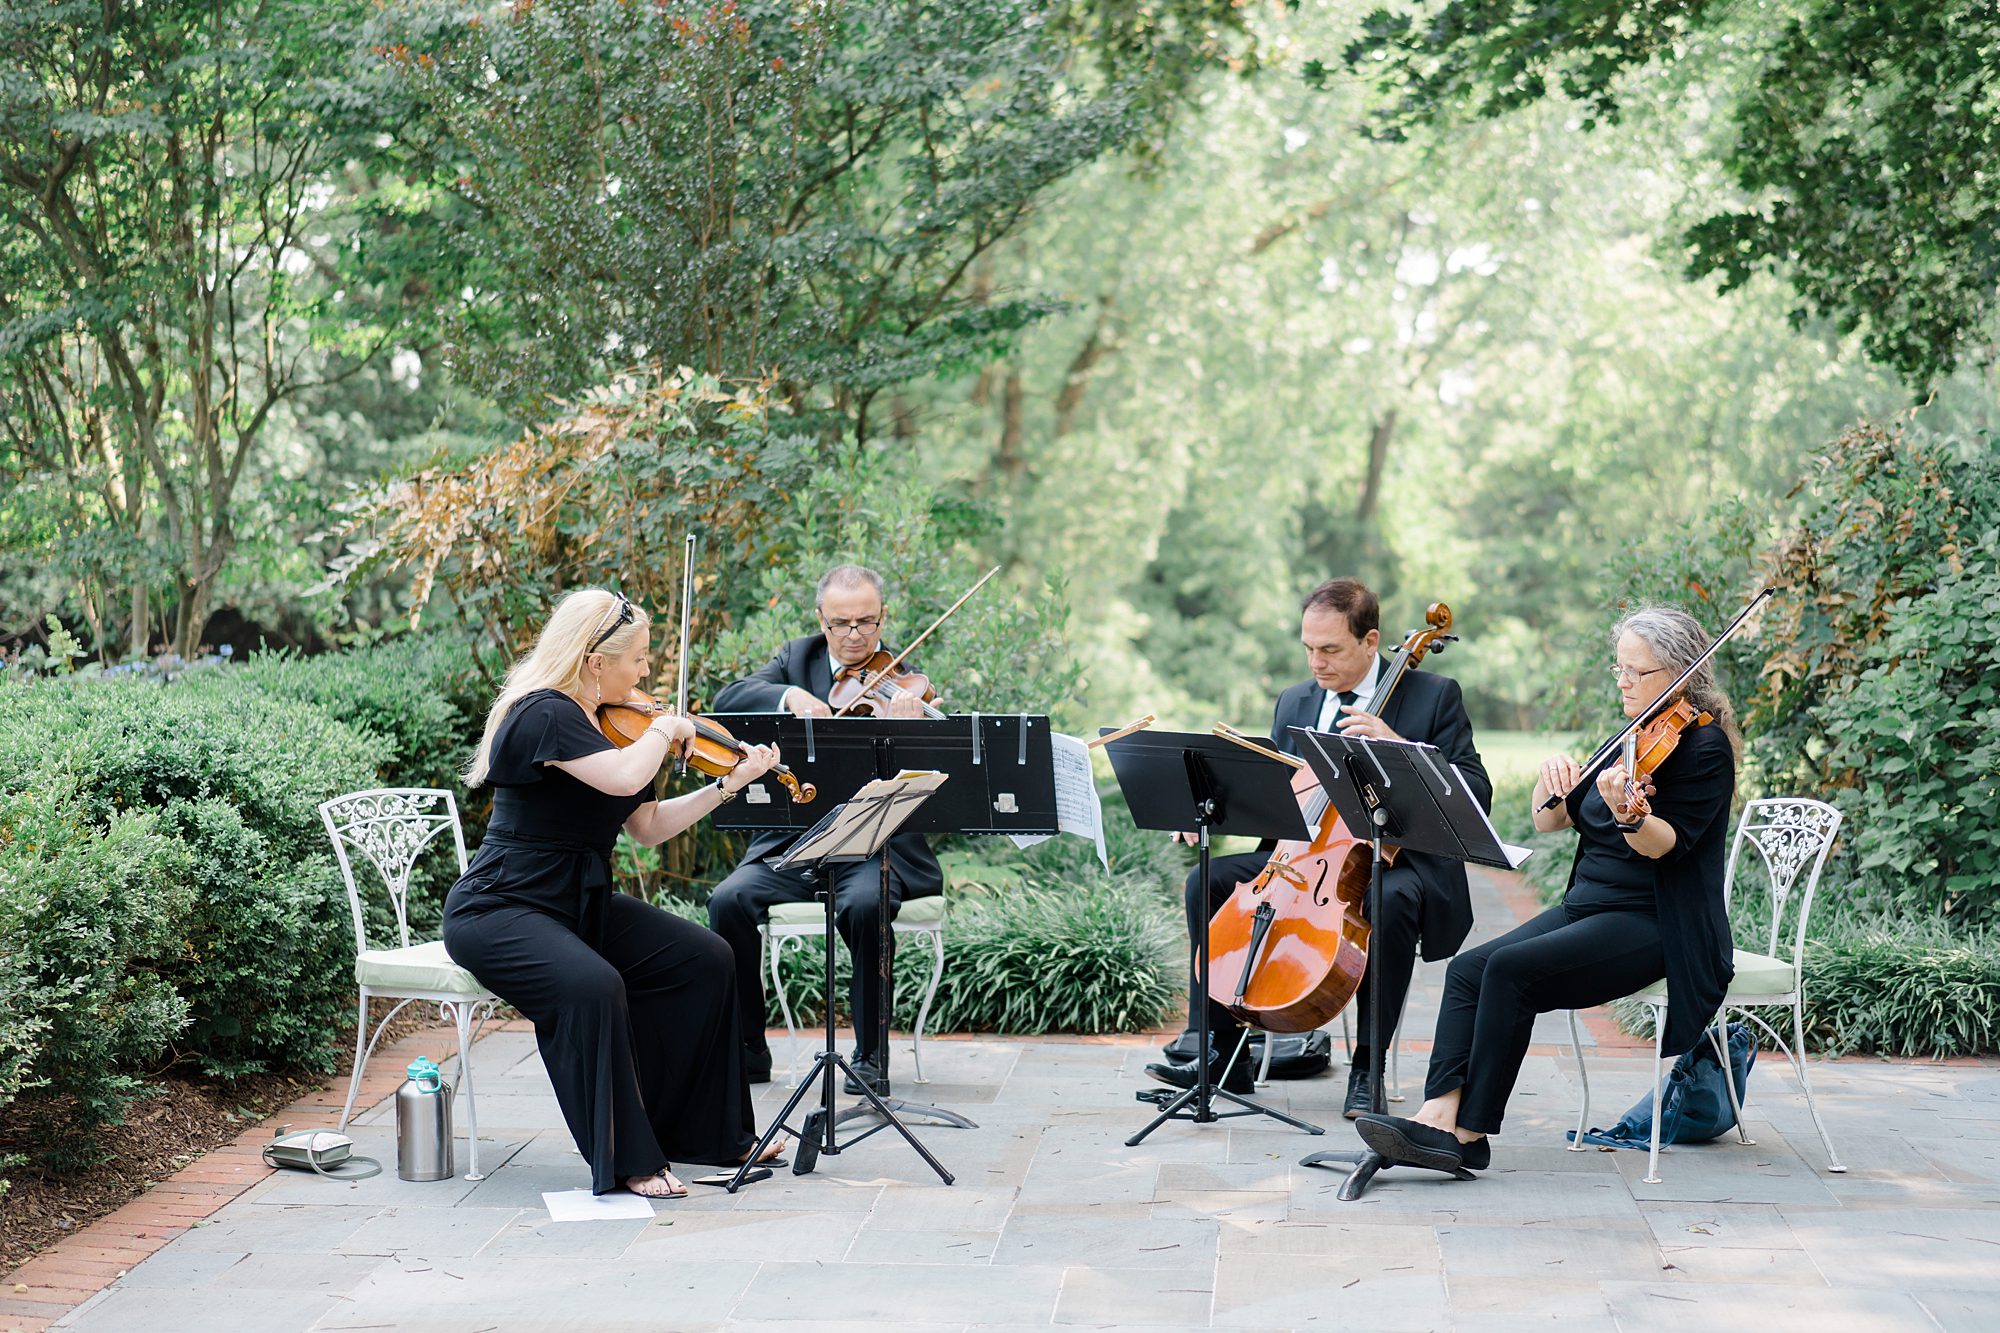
(805, 663)
(1426, 708)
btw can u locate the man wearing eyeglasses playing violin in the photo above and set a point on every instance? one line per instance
(799, 679)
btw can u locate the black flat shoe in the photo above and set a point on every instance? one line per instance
(1407, 1143)
(1360, 1091)
(1240, 1081)
(1478, 1154)
(871, 1072)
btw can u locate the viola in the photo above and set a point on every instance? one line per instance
(713, 751)
(865, 689)
(1672, 694)
(1288, 949)
(1648, 747)
(871, 684)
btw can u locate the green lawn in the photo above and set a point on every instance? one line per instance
(1511, 757)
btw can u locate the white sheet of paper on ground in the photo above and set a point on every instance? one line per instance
(1078, 809)
(583, 1206)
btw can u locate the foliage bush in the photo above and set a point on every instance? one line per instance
(166, 890)
(92, 918)
(422, 695)
(1099, 955)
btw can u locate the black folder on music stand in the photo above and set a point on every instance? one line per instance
(854, 831)
(1405, 794)
(1188, 782)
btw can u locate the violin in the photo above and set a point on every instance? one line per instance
(713, 751)
(1288, 949)
(1669, 697)
(865, 688)
(1648, 747)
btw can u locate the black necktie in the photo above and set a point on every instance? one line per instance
(1347, 697)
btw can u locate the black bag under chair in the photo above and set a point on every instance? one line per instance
(1296, 1054)
(1696, 1107)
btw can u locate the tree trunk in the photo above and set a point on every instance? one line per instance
(1077, 382)
(1009, 458)
(1379, 435)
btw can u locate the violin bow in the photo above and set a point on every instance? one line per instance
(868, 683)
(687, 615)
(1665, 701)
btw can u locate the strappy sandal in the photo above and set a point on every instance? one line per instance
(659, 1185)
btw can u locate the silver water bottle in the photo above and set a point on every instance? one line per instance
(423, 1124)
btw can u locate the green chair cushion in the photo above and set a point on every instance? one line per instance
(1756, 974)
(925, 911)
(421, 967)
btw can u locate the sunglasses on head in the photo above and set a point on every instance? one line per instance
(623, 617)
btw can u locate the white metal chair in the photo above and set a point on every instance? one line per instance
(799, 921)
(391, 827)
(1790, 835)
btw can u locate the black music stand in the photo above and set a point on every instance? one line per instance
(850, 832)
(1183, 782)
(1002, 781)
(1407, 794)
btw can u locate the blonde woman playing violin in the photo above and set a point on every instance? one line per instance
(1644, 902)
(633, 1007)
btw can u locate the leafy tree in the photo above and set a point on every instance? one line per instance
(760, 186)
(182, 252)
(1860, 136)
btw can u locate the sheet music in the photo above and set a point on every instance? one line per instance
(1515, 855)
(855, 822)
(1078, 809)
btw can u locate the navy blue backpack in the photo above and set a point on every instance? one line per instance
(1696, 1108)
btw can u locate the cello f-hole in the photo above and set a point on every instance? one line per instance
(1319, 897)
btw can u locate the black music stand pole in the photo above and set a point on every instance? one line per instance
(1408, 795)
(1172, 780)
(851, 832)
(884, 983)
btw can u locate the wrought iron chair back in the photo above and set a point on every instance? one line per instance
(390, 827)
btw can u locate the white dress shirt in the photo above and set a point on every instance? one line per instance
(1364, 698)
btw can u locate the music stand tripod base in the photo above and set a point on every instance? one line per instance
(852, 832)
(1166, 778)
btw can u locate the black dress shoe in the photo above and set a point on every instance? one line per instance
(868, 1070)
(1360, 1091)
(757, 1063)
(1407, 1143)
(1239, 1080)
(1478, 1154)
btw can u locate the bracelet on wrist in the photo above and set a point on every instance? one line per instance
(1629, 828)
(724, 793)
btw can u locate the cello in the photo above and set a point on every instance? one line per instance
(1288, 949)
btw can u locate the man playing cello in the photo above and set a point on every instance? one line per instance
(1425, 900)
(798, 680)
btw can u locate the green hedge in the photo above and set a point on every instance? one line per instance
(1098, 955)
(166, 888)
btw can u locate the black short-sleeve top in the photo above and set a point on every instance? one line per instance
(535, 802)
(1609, 874)
(1696, 784)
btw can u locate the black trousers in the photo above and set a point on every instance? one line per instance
(1566, 958)
(638, 1034)
(1392, 946)
(738, 906)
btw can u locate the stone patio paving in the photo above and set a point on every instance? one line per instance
(1054, 1221)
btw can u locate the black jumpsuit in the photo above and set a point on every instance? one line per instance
(1626, 921)
(633, 1007)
